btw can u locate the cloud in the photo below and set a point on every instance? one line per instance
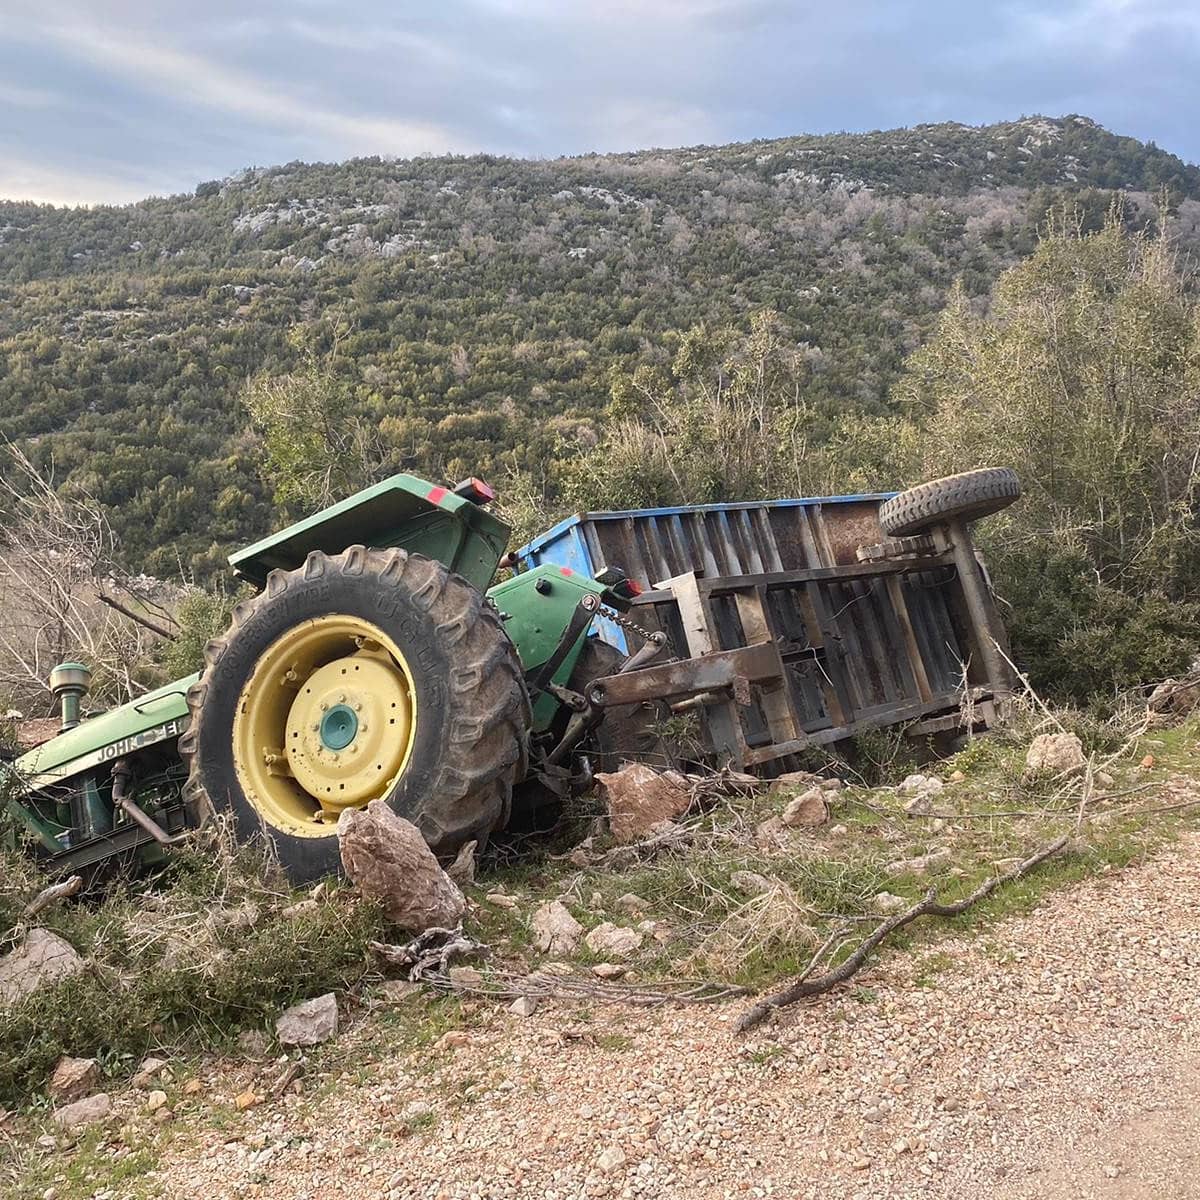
(167, 92)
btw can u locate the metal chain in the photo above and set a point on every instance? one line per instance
(611, 614)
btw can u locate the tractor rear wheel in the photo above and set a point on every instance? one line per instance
(365, 675)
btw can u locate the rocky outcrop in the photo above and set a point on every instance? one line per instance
(387, 858)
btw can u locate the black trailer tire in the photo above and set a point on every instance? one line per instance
(965, 497)
(470, 735)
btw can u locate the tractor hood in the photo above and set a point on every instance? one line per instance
(155, 717)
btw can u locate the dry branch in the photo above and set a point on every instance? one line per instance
(806, 985)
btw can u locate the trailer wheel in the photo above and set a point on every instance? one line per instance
(964, 497)
(369, 674)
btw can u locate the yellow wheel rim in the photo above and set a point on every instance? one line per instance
(326, 722)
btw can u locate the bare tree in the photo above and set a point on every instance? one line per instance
(58, 573)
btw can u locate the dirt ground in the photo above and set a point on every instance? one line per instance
(1052, 1056)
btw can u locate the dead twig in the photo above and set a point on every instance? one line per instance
(806, 986)
(51, 895)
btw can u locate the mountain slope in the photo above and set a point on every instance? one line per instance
(488, 301)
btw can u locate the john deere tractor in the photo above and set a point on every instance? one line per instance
(372, 662)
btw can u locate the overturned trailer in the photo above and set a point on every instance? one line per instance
(804, 621)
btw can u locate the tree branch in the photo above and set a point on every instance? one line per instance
(805, 986)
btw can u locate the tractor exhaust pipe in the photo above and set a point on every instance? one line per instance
(121, 775)
(69, 683)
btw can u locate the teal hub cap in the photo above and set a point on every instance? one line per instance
(339, 726)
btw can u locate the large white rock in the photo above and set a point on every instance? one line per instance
(808, 810)
(42, 958)
(309, 1023)
(387, 858)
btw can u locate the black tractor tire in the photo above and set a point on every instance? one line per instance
(472, 731)
(965, 497)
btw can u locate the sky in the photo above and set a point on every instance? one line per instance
(108, 101)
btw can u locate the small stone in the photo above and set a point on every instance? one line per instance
(1147, 762)
(252, 1043)
(87, 1111)
(163, 1115)
(838, 831)
(524, 1006)
(886, 903)
(156, 1100)
(771, 834)
(73, 1078)
(502, 900)
(831, 785)
(303, 908)
(453, 1039)
(555, 931)
(614, 940)
(861, 1164)
(922, 864)
(632, 904)
(751, 883)
(308, 1023)
(956, 777)
(148, 1073)
(609, 970)
(246, 1099)
(193, 1087)
(397, 991)
(1112, 1172)
(807, 810)
(465, 979)
(611, 1159)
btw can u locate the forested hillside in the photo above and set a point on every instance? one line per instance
(483, 306)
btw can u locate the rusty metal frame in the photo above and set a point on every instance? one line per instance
(840, 674)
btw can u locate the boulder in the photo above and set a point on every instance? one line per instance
(614, 941)
(42, 958)
(808, 810)
(640, 798)
(73, 1079)
(387, 858)
(555, 931)
(1055, 754)
(309, 1023)
(87, 1111)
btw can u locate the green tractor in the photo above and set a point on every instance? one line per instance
(378, 659)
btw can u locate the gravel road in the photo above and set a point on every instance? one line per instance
(1053, 1056)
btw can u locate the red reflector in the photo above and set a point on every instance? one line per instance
(437, 494)
(484, 491)
(633, 587)
(566, 570)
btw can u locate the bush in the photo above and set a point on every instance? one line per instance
(205, 954)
